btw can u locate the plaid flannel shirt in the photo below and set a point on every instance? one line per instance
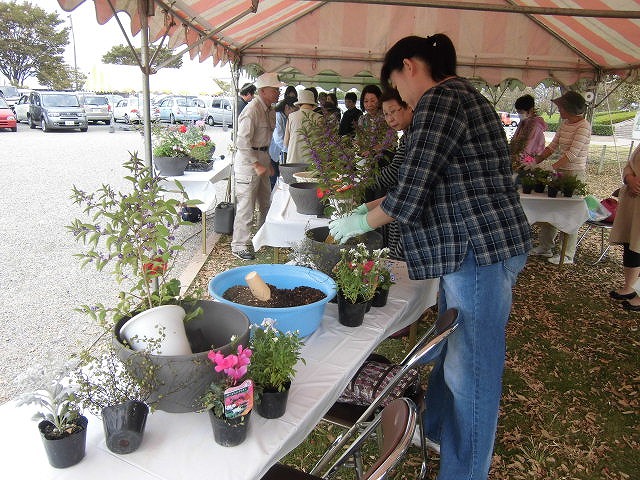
(455, 188)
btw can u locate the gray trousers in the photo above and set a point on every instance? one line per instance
(251, 189)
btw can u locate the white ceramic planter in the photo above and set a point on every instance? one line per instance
(164, 323)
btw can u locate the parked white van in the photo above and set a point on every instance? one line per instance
(219, 110)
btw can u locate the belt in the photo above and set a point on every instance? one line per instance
(261, 149)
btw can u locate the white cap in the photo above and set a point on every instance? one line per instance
(305, 97)
(268, 80)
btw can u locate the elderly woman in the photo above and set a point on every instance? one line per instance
(398, 116)
(626, 232)
(572, 141)
(462, 222)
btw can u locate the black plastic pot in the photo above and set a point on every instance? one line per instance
(223, 218)
(350, 314)
(552, 192)
(65, 451)
(527, 188)
(539, 187)
(124, 426)
(380, 297)
(273, 403)
(229, 432)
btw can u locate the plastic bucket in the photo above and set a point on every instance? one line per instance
(304, 318)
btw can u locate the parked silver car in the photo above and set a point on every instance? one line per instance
(96, 107)
(219, 110)
(179, 109)
(56, 110)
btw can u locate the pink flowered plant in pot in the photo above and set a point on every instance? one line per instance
(229, 398)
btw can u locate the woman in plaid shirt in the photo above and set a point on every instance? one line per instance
(461, 221)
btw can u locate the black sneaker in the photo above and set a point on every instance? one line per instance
(244, 255)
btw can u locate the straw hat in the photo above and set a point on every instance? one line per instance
(572, 102)
(305, 97)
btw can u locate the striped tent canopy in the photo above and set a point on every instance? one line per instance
(338, 42)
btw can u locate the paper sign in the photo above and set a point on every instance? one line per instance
(238, 400)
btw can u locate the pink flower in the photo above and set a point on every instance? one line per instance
(182, 129)
(367, 266)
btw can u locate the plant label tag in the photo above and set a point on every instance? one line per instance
(238, 400)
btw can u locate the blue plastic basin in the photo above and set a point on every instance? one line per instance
(305, 318)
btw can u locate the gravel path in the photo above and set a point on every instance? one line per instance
(40, 281)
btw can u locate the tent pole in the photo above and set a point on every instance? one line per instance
(146, 71)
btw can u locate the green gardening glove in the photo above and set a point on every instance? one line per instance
(361, 209)
(344, 228)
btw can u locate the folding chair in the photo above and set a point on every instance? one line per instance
(397, 421)
(356, 417)
(603, 226)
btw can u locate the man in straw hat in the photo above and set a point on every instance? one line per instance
(572, 142)
(252, 165)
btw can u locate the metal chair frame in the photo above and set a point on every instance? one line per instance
(422, 352)
(590, 225)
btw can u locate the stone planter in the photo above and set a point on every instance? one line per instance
(288, 169)
(305, 196)
(171, 166)
(182, 379)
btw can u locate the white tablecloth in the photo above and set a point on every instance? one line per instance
(284, 225)
(181, 446)
(201, 185)
(566, 214)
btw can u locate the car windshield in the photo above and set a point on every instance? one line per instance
(60, 101)
(96, 100)
(3, 103)
(9, 91)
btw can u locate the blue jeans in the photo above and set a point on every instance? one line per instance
(465, 385)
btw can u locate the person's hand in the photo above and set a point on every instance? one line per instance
(259, 169)
(361, 209)
(344, 228)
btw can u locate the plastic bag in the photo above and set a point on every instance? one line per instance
(597, 211)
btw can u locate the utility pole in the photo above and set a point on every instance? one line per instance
(75, 61)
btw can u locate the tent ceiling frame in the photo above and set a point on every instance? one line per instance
(510, 8)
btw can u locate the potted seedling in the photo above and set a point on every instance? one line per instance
(62, 428)
(272, 368)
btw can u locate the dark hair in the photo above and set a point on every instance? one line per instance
(437, 51)
(291, 91)
(315, 93)
(525, 102)
(332, 98)
(369, 89)
(248, 89)
(284, 102)
(390, 94)
(351, 96)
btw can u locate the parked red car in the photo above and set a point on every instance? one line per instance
(7, 117)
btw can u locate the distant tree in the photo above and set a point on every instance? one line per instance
(225, 87)
(122, 55)
(61, 78)
(31, 42)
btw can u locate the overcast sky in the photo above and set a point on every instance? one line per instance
(94, 40)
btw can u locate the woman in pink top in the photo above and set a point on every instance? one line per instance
(528, 139)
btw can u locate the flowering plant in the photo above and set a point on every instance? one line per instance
(217, 397)
(345, 167)
(386, 278)
(132, 233)
(275, 355)
(182, 141)
(567, 183)
(357, 273)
